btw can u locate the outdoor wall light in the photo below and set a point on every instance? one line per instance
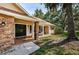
(2, 23)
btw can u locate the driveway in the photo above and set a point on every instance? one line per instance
(22, 49)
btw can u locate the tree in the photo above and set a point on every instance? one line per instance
(76, 16)
(51, 17)
(67, 8)
(54, 16)
(38, 13)
(70, 22)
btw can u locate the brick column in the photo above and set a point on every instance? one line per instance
(36, 30)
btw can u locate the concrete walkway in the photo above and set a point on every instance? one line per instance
(23, 49)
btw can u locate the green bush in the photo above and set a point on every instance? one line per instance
(58, 30)
(77, 33)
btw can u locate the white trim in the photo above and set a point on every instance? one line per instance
(43, 30)
(22, 8)
(49, 29)
(14, 30)
(28, 32)
(33, 30)
(43, 22)
(22, 17)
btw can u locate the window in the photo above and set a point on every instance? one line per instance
(40, 29)
(30, 28)
(20, 30)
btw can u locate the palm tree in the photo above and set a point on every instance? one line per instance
(67, 8)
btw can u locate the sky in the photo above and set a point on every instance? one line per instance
(31, 7)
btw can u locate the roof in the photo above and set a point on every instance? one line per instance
(25, 17)
(42, 21)
(22, 17)
(17, 4)
(16, 15)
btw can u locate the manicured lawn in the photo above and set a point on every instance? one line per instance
(56, 50)
(47, 49)
(44, 40)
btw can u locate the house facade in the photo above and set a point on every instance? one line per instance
(16, 23)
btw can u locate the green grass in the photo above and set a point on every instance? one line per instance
(55, 50)
(46, 49)
(65, 34)
(77, 33)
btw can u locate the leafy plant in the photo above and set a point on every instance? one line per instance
(58, 30)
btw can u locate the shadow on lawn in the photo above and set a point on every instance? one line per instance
(50, 49)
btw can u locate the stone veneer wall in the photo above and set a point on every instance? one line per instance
(6, 32)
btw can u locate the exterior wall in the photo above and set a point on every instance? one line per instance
(6, 32)
(46, 29)
(42, 30)
(19, 21)
(11, 6)
(28, 35)
(50, 30)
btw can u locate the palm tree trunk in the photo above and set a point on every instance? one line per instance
(70, 23)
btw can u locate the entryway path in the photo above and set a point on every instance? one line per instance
(22, 49)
